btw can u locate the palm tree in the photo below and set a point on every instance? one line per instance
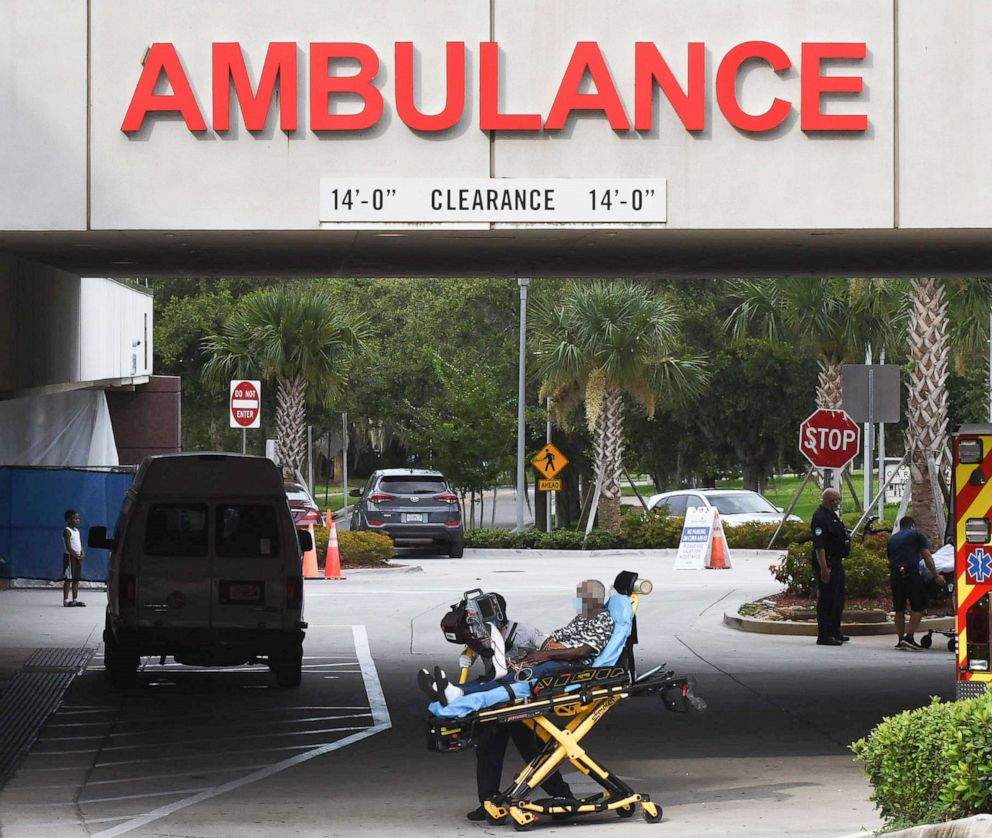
(300, 338)
(598, 341)
(836, 318)
(945, 314)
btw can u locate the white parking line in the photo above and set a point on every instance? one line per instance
(381, 722)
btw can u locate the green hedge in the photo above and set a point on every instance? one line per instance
(356, 547)
(866, 571)
(931, 764)
(652, 532)
(867, 568)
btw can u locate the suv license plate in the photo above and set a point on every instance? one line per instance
(414, 517)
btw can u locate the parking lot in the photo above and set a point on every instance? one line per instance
(194, 752)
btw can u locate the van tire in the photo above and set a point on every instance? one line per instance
(456, 547)
(120, 661)
(289, 667)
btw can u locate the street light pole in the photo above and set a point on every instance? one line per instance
(523, 283)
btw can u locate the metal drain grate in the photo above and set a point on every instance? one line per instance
(33, 695)
(58, 660)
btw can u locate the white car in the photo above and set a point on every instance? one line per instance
(736, 506)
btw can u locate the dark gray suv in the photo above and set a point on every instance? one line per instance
(411, 505)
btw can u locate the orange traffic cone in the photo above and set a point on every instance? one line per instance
(310, 569)
(720, 552)
(332, 561)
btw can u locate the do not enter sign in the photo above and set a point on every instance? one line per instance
(829, 439)
(246, 404)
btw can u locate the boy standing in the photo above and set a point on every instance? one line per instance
(72, 559)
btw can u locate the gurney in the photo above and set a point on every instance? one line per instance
(577, 697)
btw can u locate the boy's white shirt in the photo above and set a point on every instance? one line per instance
(75, 541)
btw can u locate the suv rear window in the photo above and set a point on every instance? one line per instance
(176, 529)
(247, 530)
(413, 485)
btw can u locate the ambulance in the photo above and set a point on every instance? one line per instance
(971, 511)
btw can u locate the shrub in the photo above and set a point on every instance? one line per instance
(756, 536)
(496, 539)
(904, 762)
(356, 547)
(933, 763)
(652, 531)
(866, 574)
(795, 570)
(968, 754)
(562, 539)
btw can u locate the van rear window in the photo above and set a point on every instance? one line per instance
(176, 529)
(247, 530)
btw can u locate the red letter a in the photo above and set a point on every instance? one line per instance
(587, 58)
(163, 58)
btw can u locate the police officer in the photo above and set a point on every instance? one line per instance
(831, 545)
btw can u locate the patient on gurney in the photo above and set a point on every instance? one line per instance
(576, 643)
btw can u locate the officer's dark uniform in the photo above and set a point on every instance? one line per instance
(830, 535)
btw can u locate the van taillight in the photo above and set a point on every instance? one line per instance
(126, 588)
(294, 591)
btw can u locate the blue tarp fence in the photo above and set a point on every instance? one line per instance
(33, 502)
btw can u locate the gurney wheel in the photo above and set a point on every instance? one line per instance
(523, 827)
(952, 644)
(496, 821)
(653, 818)
(626, 811)
(926, 641)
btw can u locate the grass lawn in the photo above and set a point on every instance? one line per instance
(335, 497)
(781, 490)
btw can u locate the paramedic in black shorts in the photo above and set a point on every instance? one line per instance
(905, 549)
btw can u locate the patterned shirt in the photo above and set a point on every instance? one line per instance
(594, 632)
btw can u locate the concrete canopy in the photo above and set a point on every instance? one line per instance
(818, 137)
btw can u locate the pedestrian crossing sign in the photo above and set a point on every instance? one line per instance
(549, 461)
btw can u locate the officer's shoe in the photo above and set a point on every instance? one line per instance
(843, 638)
(828, 641)
(477, 814)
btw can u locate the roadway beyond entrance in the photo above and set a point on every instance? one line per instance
(219, 753)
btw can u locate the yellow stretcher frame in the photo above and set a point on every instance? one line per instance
(594, 692)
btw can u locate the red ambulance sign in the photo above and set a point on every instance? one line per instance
(829, 439)
(246, 404)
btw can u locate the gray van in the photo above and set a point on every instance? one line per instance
(206, 567)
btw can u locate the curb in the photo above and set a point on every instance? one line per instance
(392, 570)
(973, 827)
(797, 629)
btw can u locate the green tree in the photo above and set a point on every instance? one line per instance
(599, 340)
(836, 318)
(466, 430)
(298, 337)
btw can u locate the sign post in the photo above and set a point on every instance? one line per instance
(245, 407)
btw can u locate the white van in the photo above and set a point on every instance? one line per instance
(205, 567)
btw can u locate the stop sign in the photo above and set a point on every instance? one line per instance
(829, 439)
(246, 404)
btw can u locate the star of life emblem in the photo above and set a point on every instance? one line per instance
(979, 567)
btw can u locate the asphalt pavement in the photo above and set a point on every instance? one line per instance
(193, 752)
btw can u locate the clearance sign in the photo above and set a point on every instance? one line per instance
(586, 87)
